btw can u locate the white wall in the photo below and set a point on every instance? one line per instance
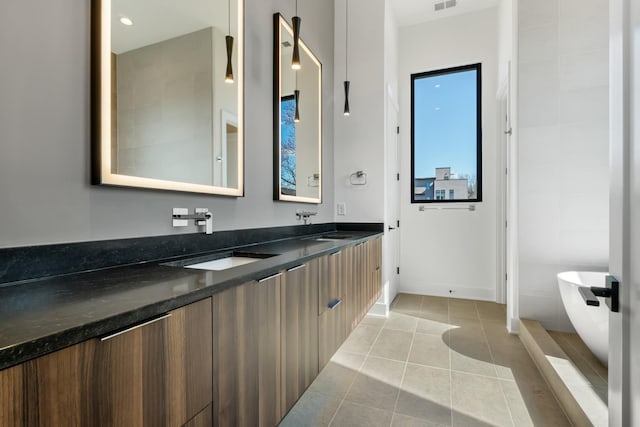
(45, 193)
(450, 249)
(359, 138)
(563, 148)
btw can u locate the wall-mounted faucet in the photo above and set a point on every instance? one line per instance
(305, 216)
(202, 217)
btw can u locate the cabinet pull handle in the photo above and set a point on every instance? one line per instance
(377, 268)
(273, 276)
(336, 253)
(108, 337)
(333, 304)
(359, 244)
(297, 267)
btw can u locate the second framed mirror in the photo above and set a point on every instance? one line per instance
(297, 120)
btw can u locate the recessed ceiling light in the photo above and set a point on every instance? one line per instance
(437, 108)
(126, 21)
(437, 86)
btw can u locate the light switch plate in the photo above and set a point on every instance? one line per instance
(342, 208)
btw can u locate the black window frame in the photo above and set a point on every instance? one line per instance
(416, 76)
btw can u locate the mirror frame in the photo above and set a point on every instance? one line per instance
(278, 23)
(101, 173)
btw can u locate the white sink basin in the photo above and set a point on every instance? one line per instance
(223, 263)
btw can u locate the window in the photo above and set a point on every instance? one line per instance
(446, 135)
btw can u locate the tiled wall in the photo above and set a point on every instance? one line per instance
(563, 148)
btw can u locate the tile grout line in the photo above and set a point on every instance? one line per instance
(406, 363)
(356, 376)
(450, 363)
(493, 363)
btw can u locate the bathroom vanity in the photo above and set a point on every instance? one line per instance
(159, 344)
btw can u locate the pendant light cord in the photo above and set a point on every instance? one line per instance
(346, 41)
(229, 11)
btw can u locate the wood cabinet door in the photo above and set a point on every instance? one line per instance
(52, 390)
(332, 326)
(203, 419)
(157, 373)
(246, 355)
(299, 331)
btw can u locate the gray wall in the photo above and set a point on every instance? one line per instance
(45, 195)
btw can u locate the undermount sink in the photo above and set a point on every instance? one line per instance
(219, 262)
(223, 263)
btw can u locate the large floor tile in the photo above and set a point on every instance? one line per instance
(392, 345)
(361, 339)
(426, 393)
(336, 378)
(377, 384)
(478, 398)
(407, 303)
(401, 322)
(465, 309)
(473, 364)
(312, 410)
(430, 350)
(400, 420)
(491, 311)
(354, 415)
(434, 327)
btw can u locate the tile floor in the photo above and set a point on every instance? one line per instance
(433, 362)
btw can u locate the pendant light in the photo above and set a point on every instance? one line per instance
(295, 58)
(296, 97)
(229, 40)
(346, 60)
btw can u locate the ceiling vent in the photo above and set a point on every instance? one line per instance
(442, 5)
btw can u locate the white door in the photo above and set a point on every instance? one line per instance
(392, 200)
(624, 241)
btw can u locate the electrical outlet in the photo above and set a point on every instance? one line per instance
(342, 208)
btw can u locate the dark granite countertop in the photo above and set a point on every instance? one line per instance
(45, 315)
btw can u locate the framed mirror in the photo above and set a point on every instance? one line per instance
(297, 120)
(167, 95)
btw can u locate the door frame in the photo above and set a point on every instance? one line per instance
(624, 226)
(392, 143)
(503, 137)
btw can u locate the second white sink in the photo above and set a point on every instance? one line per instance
(223, 263)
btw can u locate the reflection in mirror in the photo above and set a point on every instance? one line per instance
(297, 120)
(167, 117)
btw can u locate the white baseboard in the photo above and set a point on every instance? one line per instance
(482, 294)
(379, 310)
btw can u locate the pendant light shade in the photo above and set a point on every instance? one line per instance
(229, 75)
(296, 97)
(347, 83)
(295, 59)
(229, 41)
(346, 97)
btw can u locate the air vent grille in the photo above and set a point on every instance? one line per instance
(442, 5)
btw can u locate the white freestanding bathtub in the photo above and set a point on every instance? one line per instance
(591, 323)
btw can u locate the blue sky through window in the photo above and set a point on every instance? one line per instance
(445, 123)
